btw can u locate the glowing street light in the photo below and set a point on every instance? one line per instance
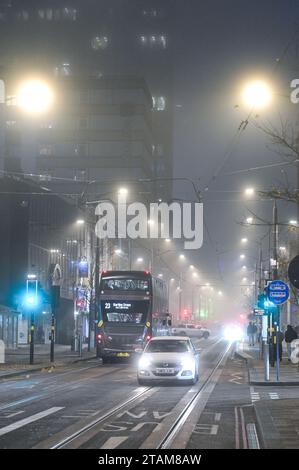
(139, 260)
(249, 192)
(242, 256)
(249, 220)
(80, 222)
(117, 251)
(35, 96)
(167, 240)
(257, 94)
(123, 191)
(293, 222)
(182, 257)
(244, 240)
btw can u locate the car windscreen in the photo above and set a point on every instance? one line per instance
(121, 311)
(168, 346)
(128, 285)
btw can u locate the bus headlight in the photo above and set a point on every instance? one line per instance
(144, 363)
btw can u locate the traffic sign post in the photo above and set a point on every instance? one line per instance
(278, 293)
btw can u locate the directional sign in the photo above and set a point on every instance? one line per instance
(278, 292)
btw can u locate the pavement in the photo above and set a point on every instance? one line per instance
(17, 360)
(276, 403)
(288, 372)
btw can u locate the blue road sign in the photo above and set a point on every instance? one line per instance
(278, 292)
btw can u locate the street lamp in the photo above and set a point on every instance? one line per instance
(248, 192)
(35, 96)
(80, 222)
(244, 240)
(242, 256)
(249, 220)
(257, 94)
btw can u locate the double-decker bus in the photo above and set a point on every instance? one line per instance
(133, 307)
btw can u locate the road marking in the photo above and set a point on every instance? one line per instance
(245, 446)
(30, 419)
(114, 442)
(160, 414)
(18, 402)
(237, 441)
(132, 415)
(14, 414)
(210, 429)
(274, 395)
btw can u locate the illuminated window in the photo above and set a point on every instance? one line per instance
(81, 150)
(69, 14)
(159, 103)
(23, 15)
(49, 14)
(63, 70)
(99, 43)
(154, 40)
(46, 150)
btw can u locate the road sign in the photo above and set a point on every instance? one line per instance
(278, 292)
(293, 272)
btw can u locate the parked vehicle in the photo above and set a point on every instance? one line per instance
(190, 330)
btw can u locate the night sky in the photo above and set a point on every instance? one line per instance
(221, 45)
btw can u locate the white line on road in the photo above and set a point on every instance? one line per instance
(113, 442)
(30, 419)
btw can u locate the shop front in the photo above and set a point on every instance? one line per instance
(9, 326)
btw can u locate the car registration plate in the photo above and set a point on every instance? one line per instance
(165, 371)
(123, 355)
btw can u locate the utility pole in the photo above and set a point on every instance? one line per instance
(275, 277)
(96, 288)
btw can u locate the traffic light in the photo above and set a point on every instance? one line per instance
(265, 304)
(31, 299)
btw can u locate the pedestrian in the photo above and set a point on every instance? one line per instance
(289, 336)
(251, 330)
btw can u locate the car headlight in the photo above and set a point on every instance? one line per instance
(144, 362)
(188, 363)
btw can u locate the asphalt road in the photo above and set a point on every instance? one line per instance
(42, 409)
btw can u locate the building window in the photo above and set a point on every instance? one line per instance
(69, 14)
(83, 97)
(46, 125)
(80, 175)
(99, 43)
(46, 150)
(83, 123)
(63, 70)
(23, 15)
(154, 40)
(159, 103)
(11, 123)
(81, 150)
(150, 13)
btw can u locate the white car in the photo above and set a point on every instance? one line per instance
(191, 330)
(168, 358)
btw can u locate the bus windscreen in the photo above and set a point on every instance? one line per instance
(128, 285)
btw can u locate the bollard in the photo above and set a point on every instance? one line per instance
(2, 352)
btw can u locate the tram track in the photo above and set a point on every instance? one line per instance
(166, 433)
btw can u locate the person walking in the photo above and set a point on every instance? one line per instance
(251, 330)
(289, 336)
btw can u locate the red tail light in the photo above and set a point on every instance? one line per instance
(99, 338)
(148, 337)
